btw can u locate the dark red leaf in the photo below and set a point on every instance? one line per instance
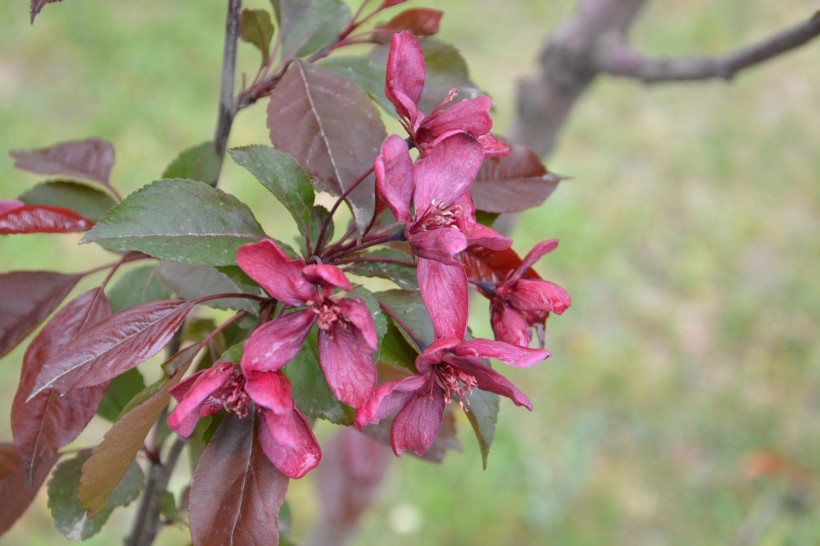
(15, 489)
(236, 492)
(26, 299)
(419, 21)
(48, 421)
(42, 219)
(349, 477)
(492, 266)
(113, 346)
(513, 183)
(89, 159)
(330, 126)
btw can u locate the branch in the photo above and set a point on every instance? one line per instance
(227, 110)
(614, 57)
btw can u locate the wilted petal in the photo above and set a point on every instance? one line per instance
(185, 416)
(416, 425)
(539, 250)
(471, 116)
(438, 244)
(405, 74)
(270, 390)
(280, 276)
(447, 171)
(328, 275)
(289, 443)
(491, 381)
(388, 398)
(537, 295)
(493, 147)
(512, 355)
(394, 176)
(275, 343)
(347, 362)
(356, 312)
(509, 325)
(445, 292)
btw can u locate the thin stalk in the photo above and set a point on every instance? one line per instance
(356, 259)
(320, 240)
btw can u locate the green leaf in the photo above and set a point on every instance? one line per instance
(403, 275)
(181, 220)
(120, 392)
(365, 72)
(395, 351)
(199, 162)
(139, 285)
(283, 177)
(409, 308)
(69, 515)
(195, 281)
(256, 28)
(379, 320)
(483, 415)
(486, 218)
(310, 25)
(311, 394)
(86, 201)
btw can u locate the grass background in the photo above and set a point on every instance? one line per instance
(689, 244)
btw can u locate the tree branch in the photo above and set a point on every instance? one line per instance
(227, 110)
(613, 56)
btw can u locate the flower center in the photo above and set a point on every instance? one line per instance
(327, 313)
(233, 396)
(438, 215)
(455, 383)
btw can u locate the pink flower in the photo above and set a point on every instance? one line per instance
(284, 434)
(442, 222)
(448, 370)
(518, 304)
(347, 336)
(406, 72)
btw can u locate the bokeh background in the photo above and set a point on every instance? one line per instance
(680, 405)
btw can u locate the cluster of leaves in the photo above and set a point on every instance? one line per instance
(301, 342)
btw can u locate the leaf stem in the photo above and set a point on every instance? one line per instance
(408, 263)
(320, 240)
(226, 295)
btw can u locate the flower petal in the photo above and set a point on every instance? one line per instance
(439, 244)
(327, 275)
(434, 353)
(539, 250)
(405, 74)
(357, 313)
(512, 355)
(388, 398)
(447, 171)
(7, 205)
(347, 362)
(394, 176)
(445, 292)
(275, 343)
(270, 390)
(509, 325)
(538, 295)
(416, 425)
(185, 416)
(471, 116)
(280, 276)
(289, 443)
(489, 380)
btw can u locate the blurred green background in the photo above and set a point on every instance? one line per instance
(690, 360)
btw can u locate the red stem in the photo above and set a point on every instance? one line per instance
(408, 263)
(320, 240)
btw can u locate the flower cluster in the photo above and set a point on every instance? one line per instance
(429, 196)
